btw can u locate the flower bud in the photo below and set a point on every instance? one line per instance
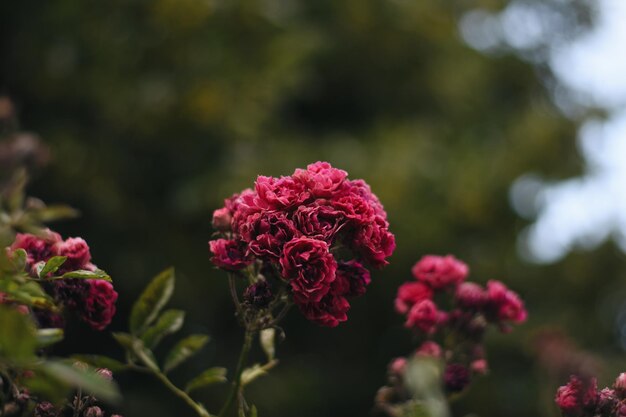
(606, 401)
(456, 377)
(81, 366)
(620, 385)
(258, 295)
(429, 349)
(397, 367)
(45, 409)
(105, 373)
(479, 366)
(221, 219)
(94, 411)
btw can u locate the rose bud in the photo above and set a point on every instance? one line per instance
(620, 385)
(94, 411)
(221, 219)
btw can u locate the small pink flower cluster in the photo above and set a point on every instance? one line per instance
(291, 227)
(92, 299)
(439, 280)
(581, 398)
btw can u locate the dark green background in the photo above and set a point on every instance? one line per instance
(157, 110)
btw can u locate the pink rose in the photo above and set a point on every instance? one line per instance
(321, 179)
(411, 293)
(99, 307)
(470, 295)
(620, 385)
(38, 248)
(221, 219)
(77, 252)
(374, 242)
(429, 349)
(607, 401)
(267, 232)
(228, 255)
(92, 299)
(504, 304)
(479, 366)
(440, 271)
(397, 367)
(577, 397)
(309, 267)
(423, 316)
(352, 279)
(329, 312)
(319, 221)
(242, 206)
(279, 193)
(355, 208)
(360, 189)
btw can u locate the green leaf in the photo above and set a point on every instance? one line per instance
(84, 274)
(18, 339)
(184, 350)
(33, 288)
(151, 301)
(208, 377)
(51, 266)
(137, 348)
(168, 323)
(266, 338)
(19, 259)
(253, 412)
(86, 379)
(52, 213)
(99, 361)
(14, 190)
(30, 293)
(250, 374)
(47, 386)
(424, 380)
(47, 337)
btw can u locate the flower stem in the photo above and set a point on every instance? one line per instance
(199, 409)
(232, 285)
(241, 363)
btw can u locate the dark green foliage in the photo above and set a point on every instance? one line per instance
(155, 111)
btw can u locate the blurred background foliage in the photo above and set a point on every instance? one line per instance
(153, 111)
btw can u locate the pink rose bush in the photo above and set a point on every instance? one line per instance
(580, 397)
(451, 316)
(307, 236)
(93, 300)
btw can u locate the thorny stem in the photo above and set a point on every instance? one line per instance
(241, 363)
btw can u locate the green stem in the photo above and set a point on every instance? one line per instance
(199, 409)
(182, 395)
(241, 363)
(232, 285)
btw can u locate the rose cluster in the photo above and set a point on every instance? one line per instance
(93, 300)
(440, 302)
(580, 397)
(310, 232)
